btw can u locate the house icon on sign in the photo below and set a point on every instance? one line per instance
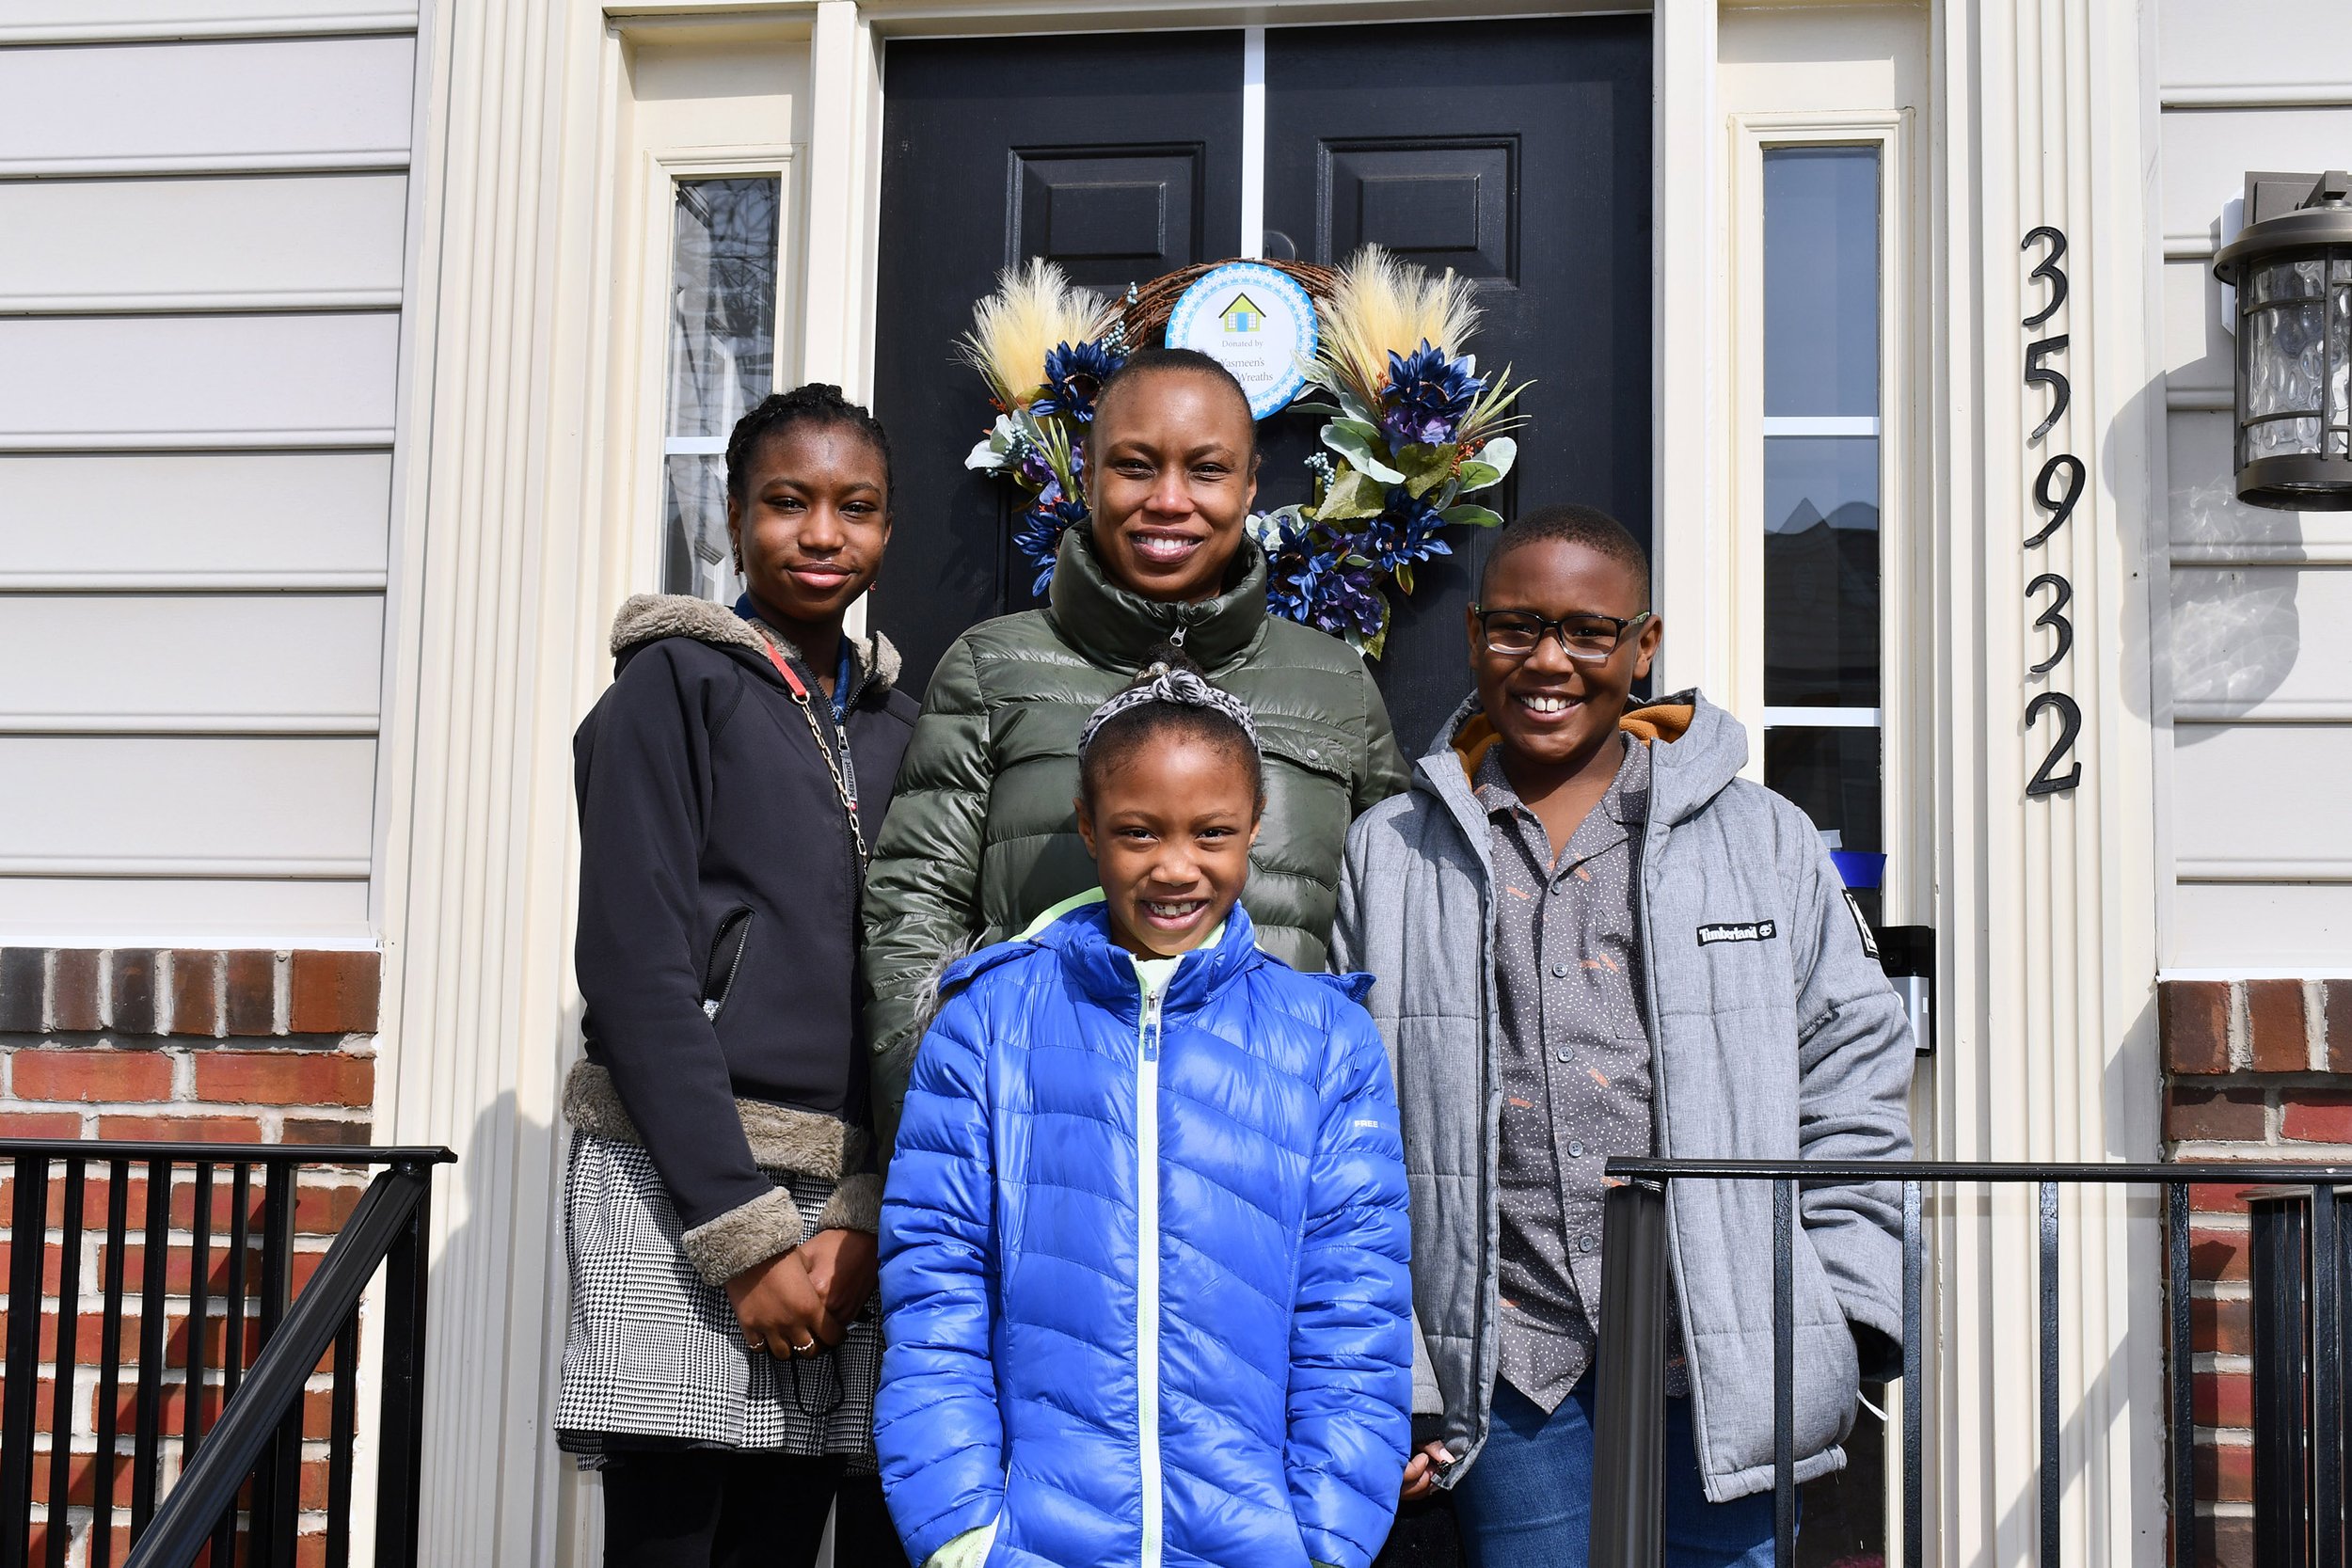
(1242, 315)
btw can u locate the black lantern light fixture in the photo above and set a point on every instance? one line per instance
(2292, 268)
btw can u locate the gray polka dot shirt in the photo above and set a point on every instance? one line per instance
(1575, 1058)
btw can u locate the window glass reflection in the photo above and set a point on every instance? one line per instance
(1822, 571)
(722, 309)
(1821, 280)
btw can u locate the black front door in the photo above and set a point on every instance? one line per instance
(1515, 152)
(1117, 156)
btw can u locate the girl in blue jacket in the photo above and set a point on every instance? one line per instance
(1144, 1246)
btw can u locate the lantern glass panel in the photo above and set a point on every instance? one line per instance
(2289, 280)
(2284, 361)
(2339, 363)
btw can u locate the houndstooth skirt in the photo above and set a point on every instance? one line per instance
(654, 1356)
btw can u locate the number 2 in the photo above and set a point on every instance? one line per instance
(2069, 725)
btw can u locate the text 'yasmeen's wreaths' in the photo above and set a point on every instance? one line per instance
(1412, 427)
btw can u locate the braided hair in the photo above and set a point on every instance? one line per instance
(815, 402)
(1171, 699)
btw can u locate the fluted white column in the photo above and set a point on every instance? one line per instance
(492, 665)
(2047, 905)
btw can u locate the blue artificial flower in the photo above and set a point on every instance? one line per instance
(1075, 372)
(1426, 398)
(1407, 532)
(1038, 535)
(1317, 585)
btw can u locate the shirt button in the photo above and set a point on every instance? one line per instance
(1559, 971)
(1585, 1243)
(1566, 1053)
(1576, 1151)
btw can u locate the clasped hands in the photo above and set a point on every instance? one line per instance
(802, 1302)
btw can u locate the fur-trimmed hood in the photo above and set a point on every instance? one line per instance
(650, 617)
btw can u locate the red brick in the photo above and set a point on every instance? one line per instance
(2231, 1115)
(2224, 1399)
(81, 1479)
(2195, 1022)
(2225, 1472)
(39, 1124)
(2275, 1030)
(184, 1130)
(285, 1078)
(2313, 1116)
(90, 1328)
(2225, 1542)
(252, 984)
(2226, 1327)
(195, 993)
(131, 1010)
(2336, 1018)
(45, 1402)
(2217, 1255)
(91, 1075)
(348, 1134)
(2207, 1197)
(334, 993)
(73, 990)
(21, 989)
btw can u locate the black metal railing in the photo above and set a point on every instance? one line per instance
(239, 1475)
(2301, 1344)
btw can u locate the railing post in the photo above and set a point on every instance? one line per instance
(2282, 1392)
(28, 1241)
(1629, 1415)
(400, 1476)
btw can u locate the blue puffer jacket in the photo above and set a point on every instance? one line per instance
(1182, 1337)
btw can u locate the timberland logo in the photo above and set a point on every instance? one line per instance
(1737, 930)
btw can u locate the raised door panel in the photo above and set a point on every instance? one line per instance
(1119, 158)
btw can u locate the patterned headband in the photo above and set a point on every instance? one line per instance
(1164, 683)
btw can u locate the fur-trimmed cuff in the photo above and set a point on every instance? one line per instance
(721, 1248)
(855, 1205)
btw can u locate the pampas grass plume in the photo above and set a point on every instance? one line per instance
(1380, 303)
(1035, 310)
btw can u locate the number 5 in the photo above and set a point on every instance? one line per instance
(2039, 373)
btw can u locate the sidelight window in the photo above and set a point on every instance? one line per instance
(1823, 278)
(723, 273)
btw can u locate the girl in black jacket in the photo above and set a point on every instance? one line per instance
(720, 1202)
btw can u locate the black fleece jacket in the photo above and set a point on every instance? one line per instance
(718, 884)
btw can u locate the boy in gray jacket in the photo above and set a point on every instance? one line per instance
(1593, 938)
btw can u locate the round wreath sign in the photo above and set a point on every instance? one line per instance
(1410, 430)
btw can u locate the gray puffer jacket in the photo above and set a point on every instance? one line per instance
(1788, 1044)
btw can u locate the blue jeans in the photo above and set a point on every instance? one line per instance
(1527, 1501)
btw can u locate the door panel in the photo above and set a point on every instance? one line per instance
(1117, 156)
(1517, 153)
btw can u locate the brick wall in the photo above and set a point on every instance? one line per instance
(2254, 1069)
(183, 1045)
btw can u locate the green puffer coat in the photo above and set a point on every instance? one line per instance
(982, 836)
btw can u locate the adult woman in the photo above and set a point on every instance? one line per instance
(720, 1202)
(984, 835)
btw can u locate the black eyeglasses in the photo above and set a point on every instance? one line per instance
(1592, 638)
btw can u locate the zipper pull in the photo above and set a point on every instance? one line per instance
(1152, 1027)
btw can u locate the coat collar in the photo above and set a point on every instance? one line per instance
(1695, 750)
(1118, 629)
(1078, 930)
(649, 617)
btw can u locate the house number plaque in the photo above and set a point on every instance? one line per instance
(2056, 489)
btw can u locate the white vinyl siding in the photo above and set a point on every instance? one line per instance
(294, 240)
(2258, 655)
(202, 244)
